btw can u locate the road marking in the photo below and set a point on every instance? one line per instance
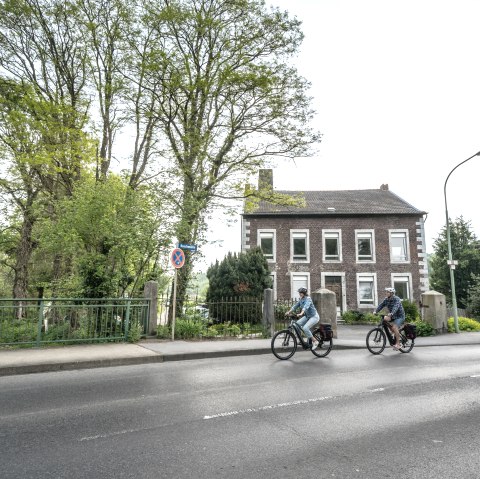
(284, 404)
(272, 406)
(116, 433)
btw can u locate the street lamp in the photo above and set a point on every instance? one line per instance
(451, 263)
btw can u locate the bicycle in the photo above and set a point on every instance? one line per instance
(285, 342)
(377, 337)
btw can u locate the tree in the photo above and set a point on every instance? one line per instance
(473, 300)
(241, 278)
(114, 237)
(243, 274)
(228, 100)
(466, 250)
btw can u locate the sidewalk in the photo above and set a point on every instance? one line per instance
(25, 361)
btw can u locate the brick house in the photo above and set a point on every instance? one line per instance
(353, 242)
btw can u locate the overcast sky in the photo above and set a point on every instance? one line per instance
(396, 87)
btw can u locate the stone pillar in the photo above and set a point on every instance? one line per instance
(268, 319)
(150, 291)
(434, 311)
(326, 303)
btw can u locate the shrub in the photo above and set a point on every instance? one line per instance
(163, 331)
(135, 332)
(280, 310)
(186, 328)
(423, 328)
(351, 317)
(19, 331)
(411, 311)
(356, 317)
(464, 324)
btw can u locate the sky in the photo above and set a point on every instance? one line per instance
(396, 88)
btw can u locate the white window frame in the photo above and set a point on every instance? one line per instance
(274, 242)
(339, 237)
(294, 289)
(408, 276)
(407, 246)
(372, 240)
(373, 276)
(306, 232)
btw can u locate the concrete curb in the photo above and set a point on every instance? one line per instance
(180, 356)
(74, 365)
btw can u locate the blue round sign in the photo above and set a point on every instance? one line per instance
(177, 258)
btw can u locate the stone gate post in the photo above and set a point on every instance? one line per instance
(150, 291)
(434, 311)
(326, 303)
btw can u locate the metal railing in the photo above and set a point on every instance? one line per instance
(35, 322)
(227, 317)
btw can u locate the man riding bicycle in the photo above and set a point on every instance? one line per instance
(396, 314)
(308, 316)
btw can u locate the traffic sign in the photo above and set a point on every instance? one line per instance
(177, 258)
(189, 247)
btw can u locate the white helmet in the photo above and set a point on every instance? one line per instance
(390, 290)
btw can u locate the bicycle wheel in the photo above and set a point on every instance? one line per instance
(284, 344)
(376, 341)
(407, 344)
(324, 345)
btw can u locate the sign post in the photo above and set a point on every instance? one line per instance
(178, 260)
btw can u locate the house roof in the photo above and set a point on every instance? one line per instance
(341, 202)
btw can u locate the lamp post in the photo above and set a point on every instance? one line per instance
(451, 263)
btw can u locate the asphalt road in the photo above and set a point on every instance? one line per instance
(350, 415)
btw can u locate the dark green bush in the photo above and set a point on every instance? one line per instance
(357, 317)
(352, 317)
(411, 311)
(423, 328)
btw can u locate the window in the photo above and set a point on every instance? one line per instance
(299, 246)
(332, 245)
(266, 241)
(366, 288)
(364, 246)
(399, 246)
(299, 280)
(403, 285)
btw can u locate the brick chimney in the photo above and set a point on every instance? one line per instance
(265, 178)
(384, 187)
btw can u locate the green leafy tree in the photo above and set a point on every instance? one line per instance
(473, 300)
(115, 237)
(238, 277)
(466, 250)
(228, 99)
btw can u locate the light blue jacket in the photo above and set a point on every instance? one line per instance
(307, 306)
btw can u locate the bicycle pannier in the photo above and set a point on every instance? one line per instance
(410, 331)
(326, 331)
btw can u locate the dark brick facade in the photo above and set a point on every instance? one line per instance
(348, 267)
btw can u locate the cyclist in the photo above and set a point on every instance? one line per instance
(396, 313)
(309, 313)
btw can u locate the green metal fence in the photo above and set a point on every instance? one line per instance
(35, 322)
(228, 317)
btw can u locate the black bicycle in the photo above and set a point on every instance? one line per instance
(285, 342)
(377, 337)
